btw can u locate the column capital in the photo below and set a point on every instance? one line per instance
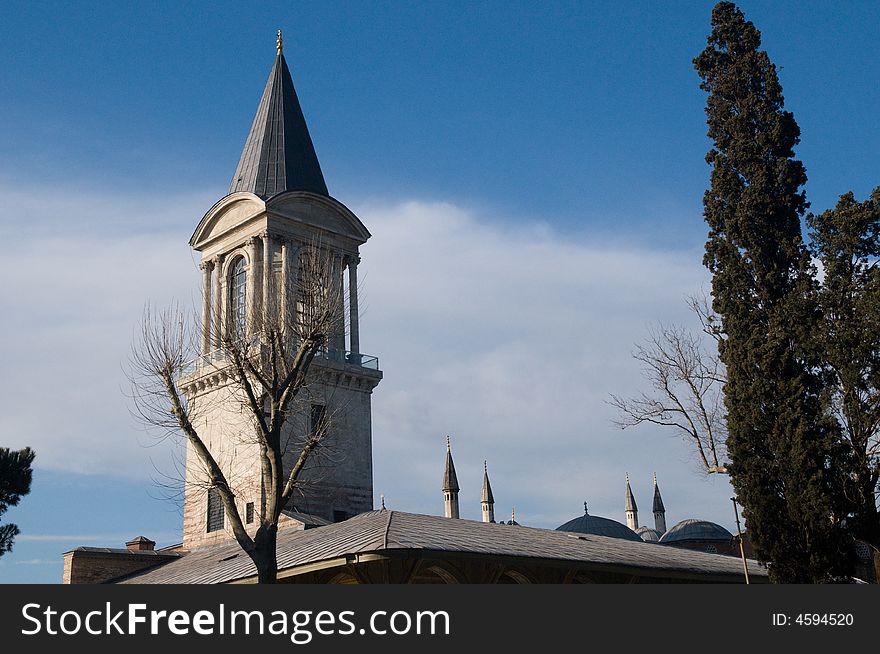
(206, 265)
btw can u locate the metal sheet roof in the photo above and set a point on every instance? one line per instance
(278, 154)
(386, 532)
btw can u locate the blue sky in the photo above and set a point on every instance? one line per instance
(550, 155)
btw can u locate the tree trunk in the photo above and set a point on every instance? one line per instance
(265, 554)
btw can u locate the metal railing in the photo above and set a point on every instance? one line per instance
(218, 357)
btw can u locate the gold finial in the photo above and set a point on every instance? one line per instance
(655, 478)
(513, 515)
(279, 43)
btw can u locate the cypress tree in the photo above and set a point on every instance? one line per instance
(846, 240)
(781, 436)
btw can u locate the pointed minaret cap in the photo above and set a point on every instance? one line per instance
(450, 480)
(630, 499)
(487, 497)
(381, 497)
(658, 501)
(278, 154)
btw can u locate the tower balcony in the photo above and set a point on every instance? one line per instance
(217, 359)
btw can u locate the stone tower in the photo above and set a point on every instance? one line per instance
(450, 485)
(632, 511)
(251, 243)
(659, 509)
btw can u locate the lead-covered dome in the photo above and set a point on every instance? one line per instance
(648, 535)
(598, 526)
(692, 529)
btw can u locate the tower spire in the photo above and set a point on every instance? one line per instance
(487, 500)
(278, 154)
(450, 485)
(659, 509)
(632, 511)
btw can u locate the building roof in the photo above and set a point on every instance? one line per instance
(692, 529)
(450, 480)
(278, 154)
(599, 526)
(649, 535)
(630, 499)
(658, 501)
(394, 533)
(486, 497)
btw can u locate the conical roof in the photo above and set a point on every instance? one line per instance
(658, 501)
(278, 154)
(630, 498)
(450, 480)
(487, 496)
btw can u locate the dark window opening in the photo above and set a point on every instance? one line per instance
(318, 418)
(216, 513)
(339, 516)
(249, 512)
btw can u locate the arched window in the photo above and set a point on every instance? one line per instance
(238, 296)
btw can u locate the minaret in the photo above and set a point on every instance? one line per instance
(450, 485)
(487, 501)
(659, 509)
(632, 511)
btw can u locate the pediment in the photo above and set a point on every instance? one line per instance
(318, 211)
(230, 212)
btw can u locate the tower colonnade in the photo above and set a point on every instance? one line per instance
(271, 267)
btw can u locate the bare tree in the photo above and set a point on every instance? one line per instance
(687, 384)
(261, 358)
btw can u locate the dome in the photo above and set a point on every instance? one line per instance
(648, 535)
(695, 530)
(592, 524)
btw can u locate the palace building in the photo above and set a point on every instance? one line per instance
(250, 245)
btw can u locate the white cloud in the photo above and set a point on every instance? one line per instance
(507, 337)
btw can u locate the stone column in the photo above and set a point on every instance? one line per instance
(267, 300)
(283, 288)
(217, 329)
(207, 268)
(354, 336)
(339, 277)
(253, 305)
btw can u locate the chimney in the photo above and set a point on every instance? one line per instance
(140, 544)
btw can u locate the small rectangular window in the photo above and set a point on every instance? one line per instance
(249, 512)
(318, 417)
(216, 513)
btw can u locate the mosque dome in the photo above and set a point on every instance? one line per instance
(598, 526)
(696, 530)
(649, 535)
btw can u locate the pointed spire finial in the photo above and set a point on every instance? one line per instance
(448, 445)
(655, 478)
(627, 478)
(586, 512)
(382, 500)
(279, 43)
(485, 466)
(513, 515)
